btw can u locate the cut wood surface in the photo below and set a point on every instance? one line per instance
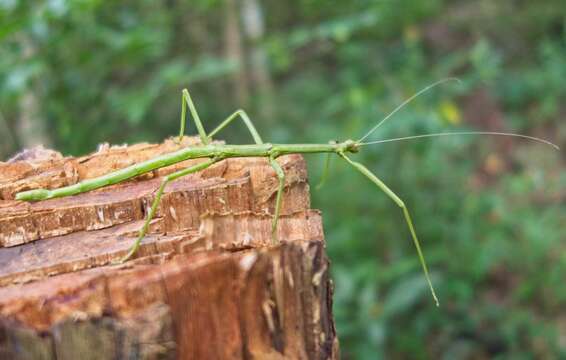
(207, 283)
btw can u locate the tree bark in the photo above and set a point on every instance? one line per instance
(206, 284)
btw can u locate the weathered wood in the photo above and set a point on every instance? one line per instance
(207, 282)
(87, 249)
(255, 304)
(19, 221)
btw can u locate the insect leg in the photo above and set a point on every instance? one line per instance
(157, 199)
(364, 170)
(242, 114)
(325, 171)
(281, 176)
(187, 100)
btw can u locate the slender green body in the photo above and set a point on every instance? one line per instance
(215, 153)
(207, 151)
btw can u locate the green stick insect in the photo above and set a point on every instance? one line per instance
(215, 153)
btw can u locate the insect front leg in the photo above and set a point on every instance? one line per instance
(167, 179)
(365, 171)
(281, 176)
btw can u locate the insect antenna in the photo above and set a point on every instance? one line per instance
(458, 133)
(422, 91)
(400, 106)
(413, 137)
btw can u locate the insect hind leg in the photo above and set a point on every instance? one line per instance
(247, 121)
(281, 177)
(186, 100)
(166, 180)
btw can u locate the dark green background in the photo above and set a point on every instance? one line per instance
(490, 212)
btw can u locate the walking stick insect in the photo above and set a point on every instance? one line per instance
(215, 153)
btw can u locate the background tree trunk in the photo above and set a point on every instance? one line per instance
(234, 52)
(31, 127)
(254, 28)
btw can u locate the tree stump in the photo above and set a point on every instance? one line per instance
(207, 283)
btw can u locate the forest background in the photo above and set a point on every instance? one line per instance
(491, 212)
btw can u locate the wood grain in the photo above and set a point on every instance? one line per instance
(207, 283)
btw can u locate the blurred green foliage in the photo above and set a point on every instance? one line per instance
(491, 213)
